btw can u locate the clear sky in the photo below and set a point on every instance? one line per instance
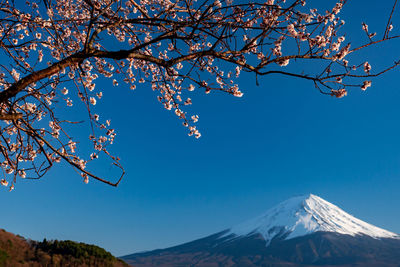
(280, 139)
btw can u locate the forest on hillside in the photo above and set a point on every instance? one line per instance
(17, 251)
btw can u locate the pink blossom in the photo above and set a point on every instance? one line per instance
(339, 93)
(367, 67)
(365, 85)
(93, 101)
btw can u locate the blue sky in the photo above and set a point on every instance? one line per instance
(280, 139)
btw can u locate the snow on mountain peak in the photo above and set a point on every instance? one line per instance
(304, 215)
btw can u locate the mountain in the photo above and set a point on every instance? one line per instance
(16, 251)
(302, 231)
(303, 215)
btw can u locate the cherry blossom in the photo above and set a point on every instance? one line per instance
(58, 50)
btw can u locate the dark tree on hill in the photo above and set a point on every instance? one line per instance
(56, 50)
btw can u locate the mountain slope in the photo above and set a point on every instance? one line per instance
(302, 231)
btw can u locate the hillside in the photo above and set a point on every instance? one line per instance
(16, 251)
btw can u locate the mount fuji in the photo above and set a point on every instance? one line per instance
(301, 231)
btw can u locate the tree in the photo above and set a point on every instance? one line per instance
(58, 49)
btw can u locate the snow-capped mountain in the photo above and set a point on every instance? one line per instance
(304, 215)
(302, 231)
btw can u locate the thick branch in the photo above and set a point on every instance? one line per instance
(20, 85)
(13, 116)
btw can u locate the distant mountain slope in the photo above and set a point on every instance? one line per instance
(16, 251)
(302, 231)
